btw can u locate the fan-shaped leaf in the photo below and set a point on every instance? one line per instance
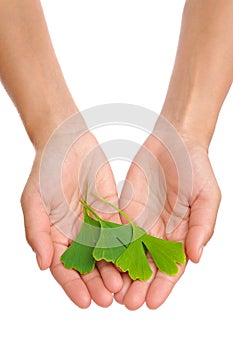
(166, 254)
(113, 240)
(79, 254)
(134, 261)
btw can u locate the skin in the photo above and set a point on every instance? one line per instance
(200, 81)
(30, 72)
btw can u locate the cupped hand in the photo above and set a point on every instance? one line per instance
(53, 215)
(171, 191)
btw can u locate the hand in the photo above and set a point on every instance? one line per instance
(43, 228)
(171, 210)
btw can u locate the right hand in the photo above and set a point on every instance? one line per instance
(193, 212)
(43, 234)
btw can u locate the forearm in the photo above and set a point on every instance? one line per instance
(203, 70)
(29, 69)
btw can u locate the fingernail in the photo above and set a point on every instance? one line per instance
(39, 260)
(200, 251)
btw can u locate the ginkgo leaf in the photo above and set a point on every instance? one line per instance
(114, 239)
(79, 254)
(134, 261)
(166, 254)
(124, 245)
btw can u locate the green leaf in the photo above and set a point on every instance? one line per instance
(165, 253)
(134, 258)
(135, 262)
(79, 254)
(124, 245)
(113, 240)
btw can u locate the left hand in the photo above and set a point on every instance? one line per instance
(42, 226)
(190, 216)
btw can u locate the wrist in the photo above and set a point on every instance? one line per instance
(41, 119)
(41, 127)
(194, 121)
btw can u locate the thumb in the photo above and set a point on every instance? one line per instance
(37, 227)
(202, 220)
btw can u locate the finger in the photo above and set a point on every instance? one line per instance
(111, 276)
(136, 294)
(69, 280)
(202, 221)
(37, 228)
(161, 287)
(119, 296)
(99, 293)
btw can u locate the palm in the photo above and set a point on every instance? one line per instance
(169, 210)
(50, 234)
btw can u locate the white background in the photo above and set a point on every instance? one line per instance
(112, 51)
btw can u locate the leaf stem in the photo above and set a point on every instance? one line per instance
(86, 192)
(86, 206)
(85, 209)
(117, 209)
